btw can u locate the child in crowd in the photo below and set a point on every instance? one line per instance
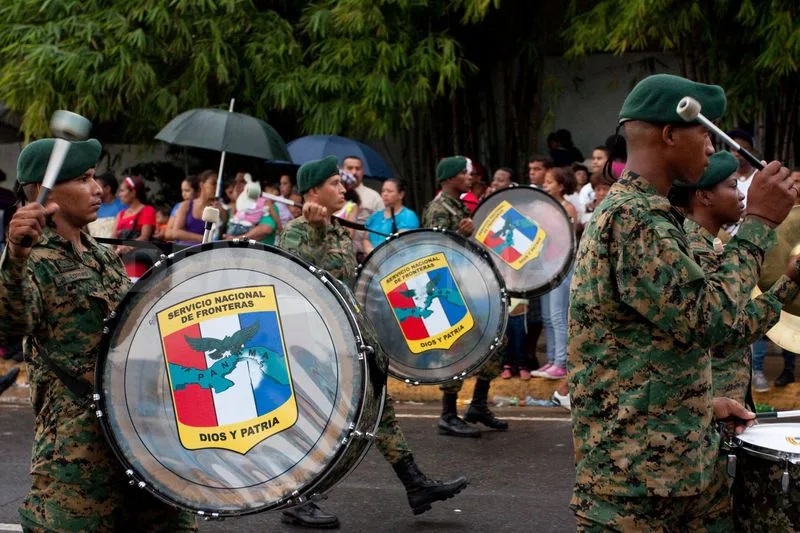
(162, 220)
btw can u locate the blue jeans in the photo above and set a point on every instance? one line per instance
(555, 307)
(759, 353)
(515, 354)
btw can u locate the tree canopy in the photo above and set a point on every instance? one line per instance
(751, 48)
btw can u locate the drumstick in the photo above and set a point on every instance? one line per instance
(778, 414)
(689, 110)
(342, 221)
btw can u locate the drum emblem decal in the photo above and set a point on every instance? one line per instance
(512, 236)
(228, 371)
(793, 440)
(427, 304)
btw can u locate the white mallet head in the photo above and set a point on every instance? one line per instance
(211, 214)
(70, 126)
(688, 108)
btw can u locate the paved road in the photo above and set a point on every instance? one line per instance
(520, 480)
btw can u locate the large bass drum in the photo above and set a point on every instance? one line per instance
(234, 378)
(529, 236)
(437, 302)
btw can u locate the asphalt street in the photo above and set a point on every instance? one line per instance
(520, 481)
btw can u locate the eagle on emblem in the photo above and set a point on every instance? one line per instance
(216, 348)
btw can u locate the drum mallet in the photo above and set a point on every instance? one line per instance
(66, 126)
(689, 110)
(210, 217)
(778, 414)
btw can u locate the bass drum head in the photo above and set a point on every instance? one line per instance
(437, 302)
(232, 379)
(529, 237)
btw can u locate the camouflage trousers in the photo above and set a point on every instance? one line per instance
(74, 508)
(391, 441)
(759, 502)
(709, 511)
(78, 483)
(490, 370)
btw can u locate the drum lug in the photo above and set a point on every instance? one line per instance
(110, 317)
(209, 516)
(96, 397)
(363, 435)
(105, 330)
(99, 413)
(409, 382)
(731, 466)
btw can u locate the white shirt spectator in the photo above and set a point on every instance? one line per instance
(371, 201)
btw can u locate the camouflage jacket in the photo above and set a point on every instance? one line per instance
(444, 212)
(59, 298)
(329, 247)
(643, 315)
(730, 362)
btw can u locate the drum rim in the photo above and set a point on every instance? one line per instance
(111, 322)
(497, 343)
(764, 452)
(556, 281)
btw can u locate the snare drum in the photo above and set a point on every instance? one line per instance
(766, 487)
(233, 379)
(437, 302)
(529, 237)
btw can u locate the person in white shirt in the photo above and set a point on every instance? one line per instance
(371, 201)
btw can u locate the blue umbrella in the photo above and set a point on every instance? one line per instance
(314, 147)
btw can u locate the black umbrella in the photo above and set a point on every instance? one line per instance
(225, 131)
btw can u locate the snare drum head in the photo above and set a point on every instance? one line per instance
(529, 237)
(437, 302)
(230, 379)
(778, 438)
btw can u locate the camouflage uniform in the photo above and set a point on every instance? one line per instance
(643, 315)
(730, 362)
(59, 298)
(331, 248)
(446, 212)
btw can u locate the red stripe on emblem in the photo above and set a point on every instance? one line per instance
(413, 328)
(194, 405)
(510, 254)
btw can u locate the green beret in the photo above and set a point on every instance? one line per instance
(450, 166)
(720, 167)
(313, 173)
(33, 159)
(656, 98)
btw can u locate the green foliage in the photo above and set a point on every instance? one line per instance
(346, 66)
(139, 63)
(750, 47)
(370, 63)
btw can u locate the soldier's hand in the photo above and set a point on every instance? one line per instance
(465, 227)
(793, 270)
(772, 194)
(316, 214)
(28, 221)
(731, 411)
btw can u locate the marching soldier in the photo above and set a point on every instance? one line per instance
(319, 239)
(643, 317)
(711, 204)
(57, 294)
(448, 212)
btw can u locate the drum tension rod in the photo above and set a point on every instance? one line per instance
(785, 477)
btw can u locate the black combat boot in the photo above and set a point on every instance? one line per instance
(450, 423)
(479, 410)
(422, 492)
(311, 516)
